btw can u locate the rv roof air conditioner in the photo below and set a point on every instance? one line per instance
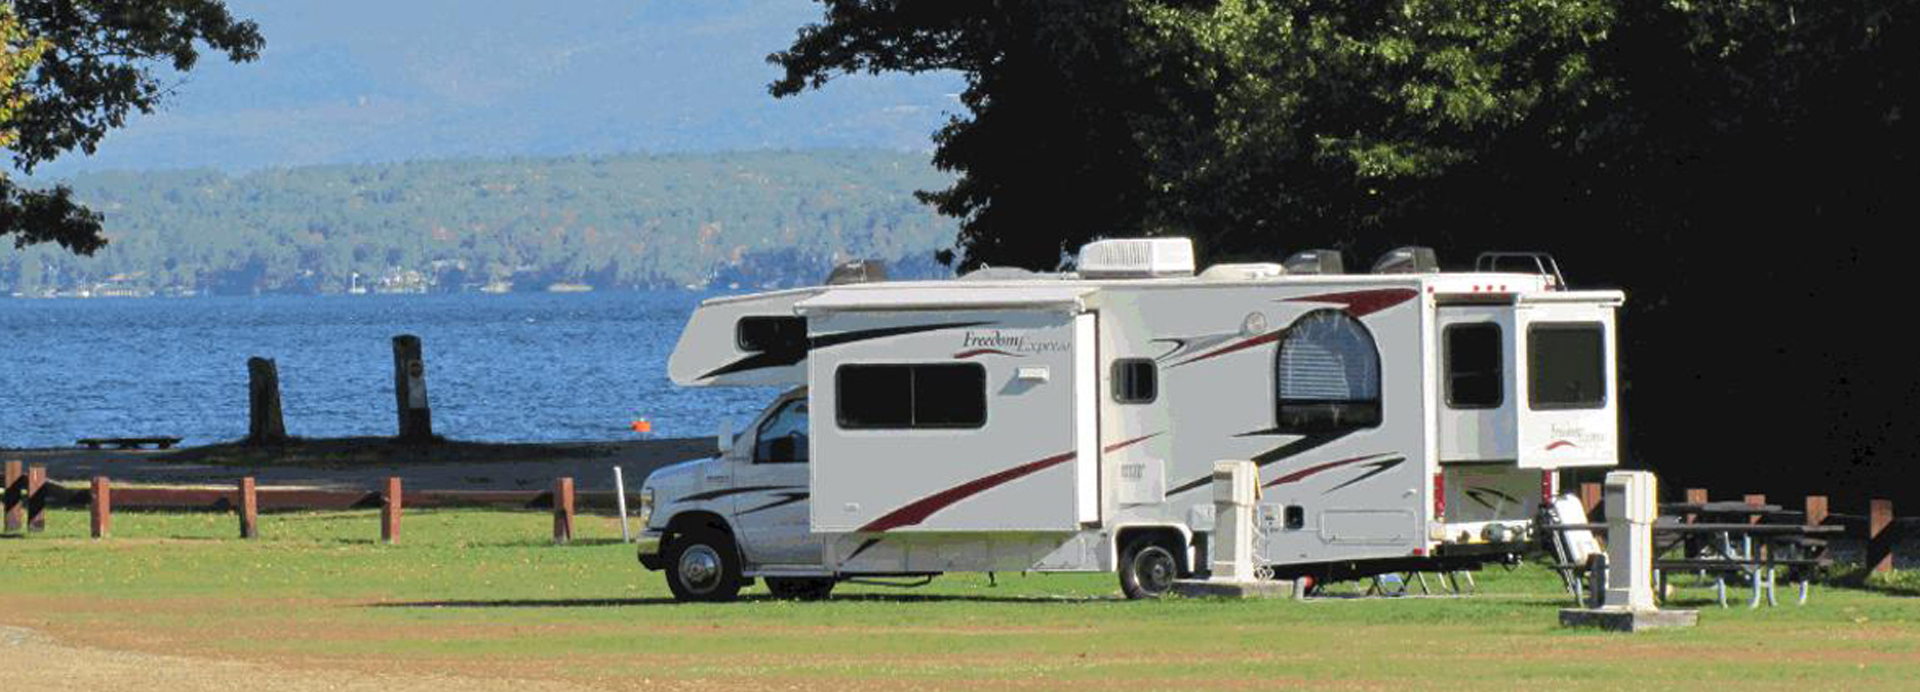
(1243, 272)
(1136, 258)
(858, 272)
(1320, 261)
(1411, 259)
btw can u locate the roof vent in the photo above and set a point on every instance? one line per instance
(1411, 259)
(1136, 258)
(1321, 261)
(1243, 272)
(858, 272)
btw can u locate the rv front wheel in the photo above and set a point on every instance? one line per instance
(702, 565)
(1147, 569)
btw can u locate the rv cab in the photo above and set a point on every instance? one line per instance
(1400, 420)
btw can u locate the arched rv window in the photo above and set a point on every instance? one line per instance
(1326, 375)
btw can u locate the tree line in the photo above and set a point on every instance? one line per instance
(697, 220)
(1743, 168)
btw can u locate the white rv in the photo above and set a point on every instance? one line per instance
(1407, 419)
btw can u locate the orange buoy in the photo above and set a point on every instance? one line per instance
(643, 426)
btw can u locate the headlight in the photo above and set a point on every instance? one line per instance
(646, 505)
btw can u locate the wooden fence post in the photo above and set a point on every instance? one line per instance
(1755, 500)
(390, 512)
(102, 507)
(410, 390)
(1695, 496)
(1816, 510)
(562, 510)
(1590, 496)
(265, 425)
(12, 497)
(1880, 535)
(36, 498)
(249, 509)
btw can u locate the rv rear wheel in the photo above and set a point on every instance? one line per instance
(702, 565)
(1147, 569)
(799, 588)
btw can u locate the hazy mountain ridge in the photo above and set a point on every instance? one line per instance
(757, 219)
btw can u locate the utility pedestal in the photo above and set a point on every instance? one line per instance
(1632, 501)
(1236, 488)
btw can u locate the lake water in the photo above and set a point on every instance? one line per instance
(514, 367)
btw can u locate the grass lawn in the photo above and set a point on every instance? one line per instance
(482, 595)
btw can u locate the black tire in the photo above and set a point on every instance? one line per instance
(800, 588)
(703, 565)
(1147, 569)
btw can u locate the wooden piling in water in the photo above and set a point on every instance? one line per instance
(1880, 535)
(101, 507)
(36, 500)
(249, 509)
(265, 424)
(390, 512)
(562, 510)
(12, 497)
(410, 390)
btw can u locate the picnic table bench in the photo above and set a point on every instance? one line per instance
(1752, 550)
(128, 442)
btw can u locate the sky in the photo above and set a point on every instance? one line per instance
(350, 81)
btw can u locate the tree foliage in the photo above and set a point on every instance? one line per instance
(99, 62)
(1743, 167)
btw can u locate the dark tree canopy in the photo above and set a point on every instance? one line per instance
(1744, 169)
(103, 60)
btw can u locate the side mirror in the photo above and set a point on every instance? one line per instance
(723, 440)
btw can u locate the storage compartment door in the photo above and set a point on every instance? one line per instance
(1567, 378)
(951, 420)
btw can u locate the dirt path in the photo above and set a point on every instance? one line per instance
(38, 663)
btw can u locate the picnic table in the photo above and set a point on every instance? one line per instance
(128, 442)
(1732, 540)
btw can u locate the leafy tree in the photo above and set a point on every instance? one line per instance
(97, 66)
(1223, 119)
(1743, 167)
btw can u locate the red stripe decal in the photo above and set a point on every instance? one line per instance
(1363, 303)
(1246, 343)
(984, 352)
(920, 509)
(1123, 444)
(1561, 443)
(1311, 470)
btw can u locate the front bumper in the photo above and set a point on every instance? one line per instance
(648, 547)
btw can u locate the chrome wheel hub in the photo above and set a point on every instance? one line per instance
(700, 568)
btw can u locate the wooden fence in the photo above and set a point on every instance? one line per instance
(247, 499)
(1882, 531)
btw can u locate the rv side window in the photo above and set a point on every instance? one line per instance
(1566, 365)
(1475, 373)
(760, 333)
(1326, 375)
(911, 396)
(1135, 381)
